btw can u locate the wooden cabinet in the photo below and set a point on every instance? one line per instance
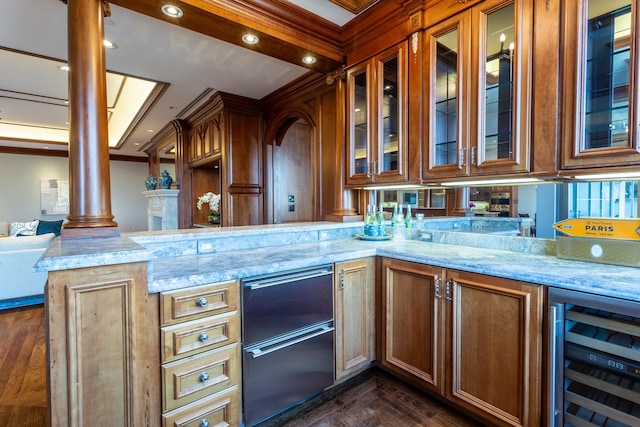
(478, 89)
(494, 347)
(200, 350)
(354, 316)
(226, 156)
(377, 118)
(205, 139)
(413, 322)
(600, 84)
(102, 347)
(475, 339)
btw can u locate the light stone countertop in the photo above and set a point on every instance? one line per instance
(607, 280)
(176, 260)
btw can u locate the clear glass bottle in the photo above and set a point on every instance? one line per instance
(369, 222)
(408, 220)
(398, 224)
(382, 228)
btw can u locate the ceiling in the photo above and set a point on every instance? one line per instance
(33, 90)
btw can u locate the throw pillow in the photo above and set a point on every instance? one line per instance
(45, 227)
(24, 228)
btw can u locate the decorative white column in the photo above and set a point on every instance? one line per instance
(162, 212)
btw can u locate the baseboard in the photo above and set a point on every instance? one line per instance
(21, 302)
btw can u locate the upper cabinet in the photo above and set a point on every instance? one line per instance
(600, 84)
(478, 90)
(376, 118)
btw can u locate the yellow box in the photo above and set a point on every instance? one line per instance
(604, 251)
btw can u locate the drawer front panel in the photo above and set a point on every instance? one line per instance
(197, 376)
(189, 338)
(221, 409)
(198, 302)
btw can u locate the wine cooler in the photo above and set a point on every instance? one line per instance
(596, 349)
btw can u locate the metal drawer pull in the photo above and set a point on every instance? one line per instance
(204, 377)
(202, 302)
(204, 423)
(261, 351)
(202, 336)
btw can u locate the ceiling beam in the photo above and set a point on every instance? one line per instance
(286, 31)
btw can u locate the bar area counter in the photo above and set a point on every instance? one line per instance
(144, 327)
(183, 258)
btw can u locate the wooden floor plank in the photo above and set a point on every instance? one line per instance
(23, 400)
(380, 401)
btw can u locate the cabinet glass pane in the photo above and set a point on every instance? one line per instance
(360, 136)
(607, 74)
(446, 101)
(500, 42)
(390, 115)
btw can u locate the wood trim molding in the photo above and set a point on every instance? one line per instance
(362, 40)
(354, 6)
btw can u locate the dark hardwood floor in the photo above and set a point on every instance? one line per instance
(372, 399)
(23, 397)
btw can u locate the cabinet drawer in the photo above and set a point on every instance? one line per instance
(221, 409)
(197, 376)
(189, 338)
(198, 302)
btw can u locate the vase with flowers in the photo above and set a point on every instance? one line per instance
(213, 200)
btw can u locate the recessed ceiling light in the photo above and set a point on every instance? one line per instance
(109, 44)
(309, 60)
(63, 68)
(172, 11)
(136, 143)
(250, 39)
(149, 130)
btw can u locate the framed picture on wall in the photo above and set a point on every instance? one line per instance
(410, 197)
(389, 198)
(54, 196)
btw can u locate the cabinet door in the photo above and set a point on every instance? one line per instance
(102, 347)
(447, 94)
(377, 118)
(494, 347)
(412, 330)
(354, 315)
(600, 114)
(359, 133)
(390, 162)
(501, 62)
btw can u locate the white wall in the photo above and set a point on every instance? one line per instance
(527, 200)
(20, 177)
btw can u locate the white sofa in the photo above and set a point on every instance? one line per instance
(18, 255)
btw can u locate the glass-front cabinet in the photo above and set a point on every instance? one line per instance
(478, 90)
(376, 115)
(600, 113)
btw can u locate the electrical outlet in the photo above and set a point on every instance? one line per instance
(292, 208)
(204, 247)
(426, 237)
(291, 198)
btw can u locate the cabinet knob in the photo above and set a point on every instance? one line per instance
(204, 376)
(202, 336)
(204, 423)
(202, 302)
